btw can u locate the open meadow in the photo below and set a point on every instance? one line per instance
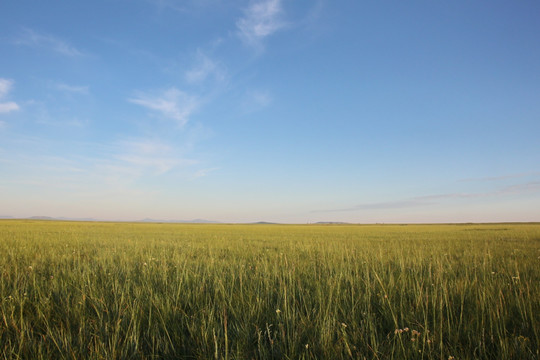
(75, 290)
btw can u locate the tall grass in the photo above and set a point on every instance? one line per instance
(73, 290)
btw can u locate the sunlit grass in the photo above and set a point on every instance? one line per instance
(118, 291)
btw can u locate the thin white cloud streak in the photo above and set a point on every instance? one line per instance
(8, 107)
(84, 90)
(261, 19)
(5, 88)
(509, 190)
(203, 172)
(502, 177)
(526, 188)
(37, 40)
(172, 103)
(530, 187)
(380, 206)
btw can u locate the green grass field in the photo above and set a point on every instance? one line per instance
(73, 290)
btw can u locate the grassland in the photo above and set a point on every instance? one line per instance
(73, 290)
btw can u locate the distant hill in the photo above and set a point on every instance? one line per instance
(41, 218)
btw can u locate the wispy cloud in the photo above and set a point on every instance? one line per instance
(501, 177)
(185, 6)
(5, 88)
(527, 188)
(380, 206)
(8, 107)
(204, 69)
(524, 188)
(519, 189)
(315, 12)
(261, 99)
(84, 90)
(261, 19)
(203, 172)
(155, 156)
(255, 100)
(149, 157)
(73, 122)
(34, 39)
(172, 103)
(115, 165)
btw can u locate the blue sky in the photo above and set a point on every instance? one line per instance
(275, 110)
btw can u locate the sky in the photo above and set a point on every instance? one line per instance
(271, 110)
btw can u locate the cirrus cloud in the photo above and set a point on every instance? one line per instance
(172, 103)
(261, 19)
(532, 187)
(39, 40)
(205, 68)
(5, 88)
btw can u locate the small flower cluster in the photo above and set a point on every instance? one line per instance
(401, 331)
(415, 334)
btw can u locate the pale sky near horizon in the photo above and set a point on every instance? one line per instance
(271, 110)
